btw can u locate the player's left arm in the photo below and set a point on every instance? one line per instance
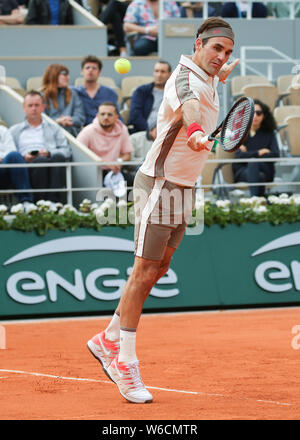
(226, 70)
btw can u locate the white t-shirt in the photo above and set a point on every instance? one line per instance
(6, 142)
(31, 138)
(170, 158)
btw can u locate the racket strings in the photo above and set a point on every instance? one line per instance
(236, 125)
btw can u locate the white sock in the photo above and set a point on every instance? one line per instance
(112, 332)
(127, 346)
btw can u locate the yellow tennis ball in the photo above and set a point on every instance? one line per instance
(122, 65)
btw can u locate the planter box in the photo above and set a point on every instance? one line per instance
(79, 272)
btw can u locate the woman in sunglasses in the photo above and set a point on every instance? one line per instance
(62, 104)
(260, 143)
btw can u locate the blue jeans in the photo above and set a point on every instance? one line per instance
(256, 172)
(143, 46)
(17, 178)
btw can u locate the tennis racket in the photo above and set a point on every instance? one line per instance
(233, 130)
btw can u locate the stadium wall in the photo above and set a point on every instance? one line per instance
(83, 272)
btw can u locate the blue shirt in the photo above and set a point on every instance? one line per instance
(91, 105)
(54, 9)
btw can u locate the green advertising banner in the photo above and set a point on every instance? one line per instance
(85, 271)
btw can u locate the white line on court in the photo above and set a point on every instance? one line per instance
(198, 393)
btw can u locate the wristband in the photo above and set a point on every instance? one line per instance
(192, 128)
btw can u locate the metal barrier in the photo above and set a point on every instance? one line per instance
(69, 189)
(249, 7)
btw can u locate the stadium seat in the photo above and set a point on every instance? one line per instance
(293, 97)
(293, 134)
(280, 114)
(238, 82)
(267, 93)
(34, 83)
(15, 84)
(130, 83)
(283, 82)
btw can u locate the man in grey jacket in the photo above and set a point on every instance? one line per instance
(40, 141)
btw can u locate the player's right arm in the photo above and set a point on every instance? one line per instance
(191, 114)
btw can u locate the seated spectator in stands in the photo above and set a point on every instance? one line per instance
(11, 12)
(113, 14)
(40, 141)
(282, 10)
(17, 178)
(92, 94)
(260, 143)
(239, 9)
(53, 12)
(108, 137)
(192, 10)
(142, 18)
(62, 104)
(147, 98)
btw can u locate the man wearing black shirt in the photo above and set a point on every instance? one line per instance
(10, 12)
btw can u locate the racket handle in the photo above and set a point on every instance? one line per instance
(204, 140)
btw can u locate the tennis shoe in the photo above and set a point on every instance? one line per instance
(103, 350)
(127, 377)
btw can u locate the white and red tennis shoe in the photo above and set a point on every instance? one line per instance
(103, 350)
(127, 377)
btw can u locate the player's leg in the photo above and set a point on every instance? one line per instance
(124, 369)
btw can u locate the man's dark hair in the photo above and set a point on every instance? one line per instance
(211, 23)
(112, 104)
(165, 62)
(34, 93)
(91, 59)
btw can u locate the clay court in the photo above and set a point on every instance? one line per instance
(224, 365)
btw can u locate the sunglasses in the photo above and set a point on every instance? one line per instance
(64, 72)
(258, 112)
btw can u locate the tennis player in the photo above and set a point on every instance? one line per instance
(189, 110)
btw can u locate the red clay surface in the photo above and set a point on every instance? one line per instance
(219, 365)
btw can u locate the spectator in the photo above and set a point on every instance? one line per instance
(261, 142)
(142, 18)
(62, 104)
(92, 94)
(17, 178)
(11, 12)
(239, 9)
(282, 10)
(192, 10)
(113, 14)
(53, 12)
(147, 98)
(40, 141)
(108, 137)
